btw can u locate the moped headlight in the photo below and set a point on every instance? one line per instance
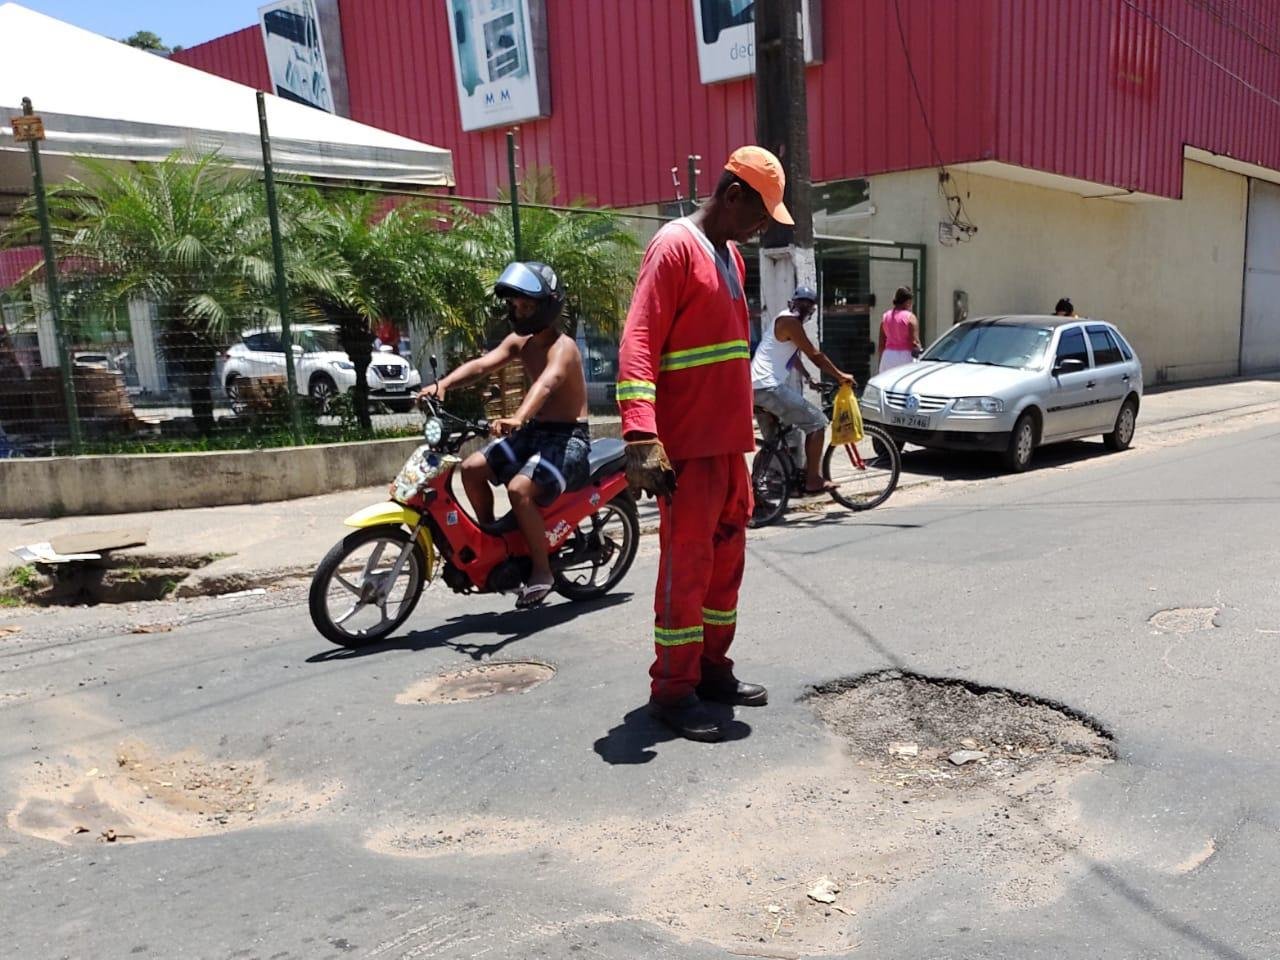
(433, 430)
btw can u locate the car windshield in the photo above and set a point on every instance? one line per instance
(993, 344)
(319, 341)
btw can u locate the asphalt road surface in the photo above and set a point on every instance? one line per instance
(269, 797)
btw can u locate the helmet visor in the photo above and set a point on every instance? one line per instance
(519, 279)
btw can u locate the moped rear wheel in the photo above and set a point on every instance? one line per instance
(598, 554)
(354, 599)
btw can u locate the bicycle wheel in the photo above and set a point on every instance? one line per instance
(865, 473)
(770, 485)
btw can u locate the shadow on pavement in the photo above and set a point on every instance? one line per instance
(508, 626)
(633, 740)
(966, 465)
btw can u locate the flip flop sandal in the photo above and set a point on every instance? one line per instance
(532, 595)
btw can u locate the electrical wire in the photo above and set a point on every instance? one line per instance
(1218, 9)
(956, 213)
(1164, 28)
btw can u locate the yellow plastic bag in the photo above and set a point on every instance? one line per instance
(846, 418)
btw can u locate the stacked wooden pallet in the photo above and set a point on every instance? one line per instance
(506, 391)
(258, 396)
(38, 404)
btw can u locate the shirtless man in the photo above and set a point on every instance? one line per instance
(544, 449)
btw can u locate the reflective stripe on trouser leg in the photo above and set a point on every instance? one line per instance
(729, 545)
(685, 534)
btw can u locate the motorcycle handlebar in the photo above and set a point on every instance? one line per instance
(434, 408)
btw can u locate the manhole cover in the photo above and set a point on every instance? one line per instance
(948, 731)
(1185, 619)
(476, 683)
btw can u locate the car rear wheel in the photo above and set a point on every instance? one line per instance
(1022, 444)
(1126, 423)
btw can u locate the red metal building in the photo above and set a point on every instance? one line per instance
(1037, 106)
(1107, 91)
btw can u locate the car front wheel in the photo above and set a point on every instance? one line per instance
(323, 390)
(1022, 444)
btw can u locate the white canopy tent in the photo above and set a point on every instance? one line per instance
(102, 98)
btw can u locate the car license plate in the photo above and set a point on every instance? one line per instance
(905, 420)
(395, 389)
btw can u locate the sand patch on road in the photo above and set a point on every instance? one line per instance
(134, 793)
(736, 868)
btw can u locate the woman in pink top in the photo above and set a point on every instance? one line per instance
(899, 333)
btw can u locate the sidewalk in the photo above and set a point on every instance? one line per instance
(260, 543)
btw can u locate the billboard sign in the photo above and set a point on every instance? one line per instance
(295, 53)
(499, 60)
(726, 35)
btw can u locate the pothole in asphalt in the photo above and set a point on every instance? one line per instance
(118, 576)
(135, 794)
(950, 731)
(791, 860)
(1185, 619)
(476, 683)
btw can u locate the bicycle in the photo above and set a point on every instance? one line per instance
(864, 482)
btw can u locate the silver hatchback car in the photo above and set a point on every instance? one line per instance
(1010, 384)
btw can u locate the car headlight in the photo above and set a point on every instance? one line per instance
(433, 430)
(343, 364)
(978, 405)
(871, 397)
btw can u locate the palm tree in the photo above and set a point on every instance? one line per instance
(187, 234)
(386, 260)
(591, 250)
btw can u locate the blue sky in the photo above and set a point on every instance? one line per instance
(185, 22)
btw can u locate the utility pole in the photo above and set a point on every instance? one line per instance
(277, 259)
(514, 187)
(29, 129)
(782, 126)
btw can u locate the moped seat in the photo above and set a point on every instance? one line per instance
(608, 455)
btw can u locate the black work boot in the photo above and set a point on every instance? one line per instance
(689, 718)
(726, 688)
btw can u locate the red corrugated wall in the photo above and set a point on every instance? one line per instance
(1102, 90)
(1112, 90)
(237, 56)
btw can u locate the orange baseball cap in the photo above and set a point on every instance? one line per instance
(763, 172)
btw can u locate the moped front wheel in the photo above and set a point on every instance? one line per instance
(357, 595)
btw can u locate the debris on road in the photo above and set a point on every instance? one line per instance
(961, 757)
(905, 749)
(9, 631)
(237, 594)
(101, 541)
(824, 891)
(153, 628)
(44, 553)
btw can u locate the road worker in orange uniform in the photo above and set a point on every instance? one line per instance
(684, 389)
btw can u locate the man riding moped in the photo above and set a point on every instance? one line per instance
(544, 449)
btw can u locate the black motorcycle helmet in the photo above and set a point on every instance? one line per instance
(538, 282)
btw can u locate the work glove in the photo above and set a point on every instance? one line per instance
(648, 469)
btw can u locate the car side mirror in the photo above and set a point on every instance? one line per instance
(297, 349)
(1069, 365)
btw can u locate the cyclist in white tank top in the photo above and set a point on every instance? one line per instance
(775, 375)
